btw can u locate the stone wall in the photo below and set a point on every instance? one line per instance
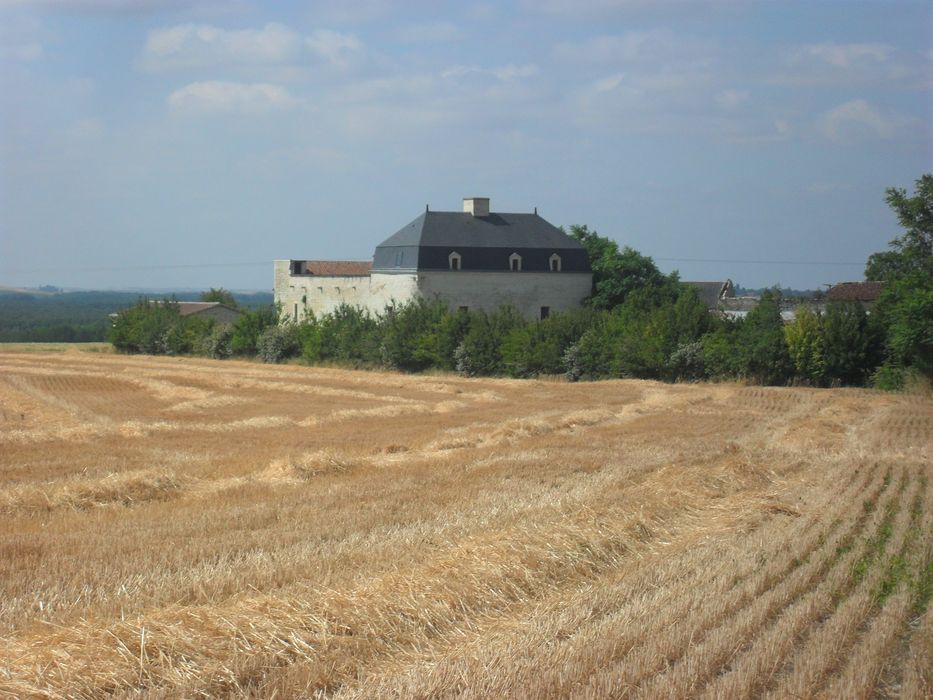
(527, 291)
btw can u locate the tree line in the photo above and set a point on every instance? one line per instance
(637, 323)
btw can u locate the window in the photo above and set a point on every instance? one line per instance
(545, 312)
(454, 260)
(296, 267)
(464, 309)
(554, 263)
(515, 262)
(399, 257)
(296, 313)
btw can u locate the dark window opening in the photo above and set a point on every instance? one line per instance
(554, 265)
(545, 311)
(515, 264)
(464, 309)
(455, 263)
(296, 313)
(296, 267)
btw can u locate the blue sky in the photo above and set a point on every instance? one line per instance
(187, 143)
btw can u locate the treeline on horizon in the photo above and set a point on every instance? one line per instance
(637, 323)
(76, 317)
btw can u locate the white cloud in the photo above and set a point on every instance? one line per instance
(730, 99)
(202, 45)
(609, 83)
(845, 55)
(582, 8)
(26, 51)
(117, 6)
(430, 32)
(219, 96)
(504, 73)
(334, 47)
(859, 119)
(851, 64)
(624, 48)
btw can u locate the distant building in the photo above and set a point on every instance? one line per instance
(866, 293)
(474, 259)
(221, 313)
(713, 293)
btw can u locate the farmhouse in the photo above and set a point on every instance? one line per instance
(221, 313)
(713, 294)
(866, 293)
(474, 259)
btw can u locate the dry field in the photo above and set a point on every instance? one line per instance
(181, 527)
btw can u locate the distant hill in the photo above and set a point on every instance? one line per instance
(39, 315)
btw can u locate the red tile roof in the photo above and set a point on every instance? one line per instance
(855, 291)
(338, 268)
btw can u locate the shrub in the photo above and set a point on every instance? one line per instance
(686, 362)
(278, 343)
(247, 328)
(480, 351)
(217, 343)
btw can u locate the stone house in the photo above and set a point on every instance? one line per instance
(474, 259)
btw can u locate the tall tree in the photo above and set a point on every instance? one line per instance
(618, 273)
(905, 310)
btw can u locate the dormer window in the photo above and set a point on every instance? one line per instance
(515, 262)
(454, 260)
(554, 263)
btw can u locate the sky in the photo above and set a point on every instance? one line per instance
(188, 143)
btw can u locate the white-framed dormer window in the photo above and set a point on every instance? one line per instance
(515, 262)
(554, 263)
(454, 260)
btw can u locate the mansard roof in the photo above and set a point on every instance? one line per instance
(456, 230)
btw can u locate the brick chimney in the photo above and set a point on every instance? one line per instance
(477, 206)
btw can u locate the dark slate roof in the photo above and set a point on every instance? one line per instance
(451, 229)
(855, 291)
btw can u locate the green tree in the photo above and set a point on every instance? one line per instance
(248, 327)
(846, 342)
(805, 343)
(912, 252)
(220, 294)
(764, 354)
(618, 273)
(904, 313)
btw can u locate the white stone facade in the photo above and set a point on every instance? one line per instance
(533, 293)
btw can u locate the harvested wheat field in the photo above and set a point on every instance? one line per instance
(181, 527)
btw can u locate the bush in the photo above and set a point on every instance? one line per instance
(539, 347)
(480, 351)
(247, 328)
(348, 334)
(278, 343)
(217, 343)
(412, 336)
(686, 362)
